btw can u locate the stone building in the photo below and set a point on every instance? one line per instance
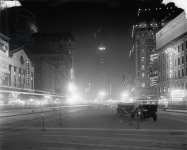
(172, 46)
(16, 69)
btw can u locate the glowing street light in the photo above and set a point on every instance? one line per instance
(102, 94)
(124, 95)
(101, 48)
(10, 3)
(177, 94)
(71, 87)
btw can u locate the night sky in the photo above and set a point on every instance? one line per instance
(111, 23)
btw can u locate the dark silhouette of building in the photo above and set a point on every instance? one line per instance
(18, 23)
(52, 57)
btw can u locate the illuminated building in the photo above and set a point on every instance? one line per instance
(143, 35)
(160, 12)
(16, 70)
(151, 18)
(172, 47)
(154, 73)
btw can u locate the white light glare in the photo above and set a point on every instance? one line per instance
(102, 48)
(71, 87)
(102, 94)
(47, 97)
(179, 3)
(9, 3)
(74, 98)
(125, 94)
(177, 93)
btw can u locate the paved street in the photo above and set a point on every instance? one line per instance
(93, 128)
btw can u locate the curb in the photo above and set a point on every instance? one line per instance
(176, 110)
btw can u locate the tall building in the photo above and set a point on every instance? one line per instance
(52, 57)
(150, 18)
(172, 47)
(144, 46)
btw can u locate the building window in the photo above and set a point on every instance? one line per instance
(14, 69)
(19, 76)
(142, 59)
(182, 46)
(182, 59)
(143, 75)
(179, 48)
(178, 73)
(143, 84)
(182, 72)
(10, 74)
(178, 61)
(175, 62)
(14, 80)
(142, 67)
(186, 44)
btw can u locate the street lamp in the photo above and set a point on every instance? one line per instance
(71, 87)
(124, 95)
(101, 48)
(102, 94)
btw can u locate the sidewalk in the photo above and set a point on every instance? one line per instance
(176, 110)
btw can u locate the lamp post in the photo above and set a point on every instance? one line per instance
(101, 51)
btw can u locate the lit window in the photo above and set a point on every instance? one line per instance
(143, 67)
(142, 59)
(143, 84)
(143, 75)
(182, 46)
(178, 61)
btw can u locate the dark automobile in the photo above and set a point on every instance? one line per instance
(135, 110)
(147, 111)
(126, 109)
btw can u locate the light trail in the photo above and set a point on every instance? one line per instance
(28, 92)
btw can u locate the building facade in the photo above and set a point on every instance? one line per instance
(21, 70)
(144, 47)
(151, 18)
(172, 47)
(16, 69)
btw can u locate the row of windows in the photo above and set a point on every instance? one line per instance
(182, 46)
(177, 86)
(23, 79)
(180, 61)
